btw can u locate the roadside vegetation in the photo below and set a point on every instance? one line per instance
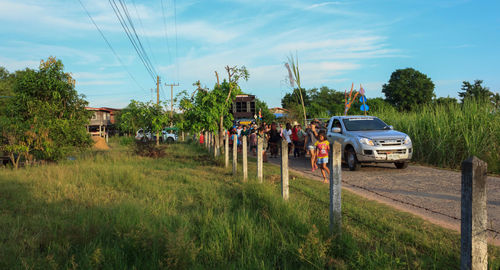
(446, 134)
(117, 210)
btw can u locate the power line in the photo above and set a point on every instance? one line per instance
(135, 43)
(144, 33)
(165, 29)
(109, 45)
(176, 48)
(124, 6)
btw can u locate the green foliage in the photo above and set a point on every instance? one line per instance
(146, 115)
(116, 210)
(407, 88)
(203, 111)
(210, 109)
(477, 91)
(6, 87)
(446, 134)
(46, 114)
(445, 100)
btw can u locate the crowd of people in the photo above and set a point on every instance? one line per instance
(311, 141)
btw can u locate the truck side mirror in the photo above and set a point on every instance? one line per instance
(336, 130)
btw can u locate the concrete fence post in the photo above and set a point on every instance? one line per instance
(284, 169)
(245, 157)
(235, 154)
(474, 216)
(260, 173)
(226, 149)
(335, 188)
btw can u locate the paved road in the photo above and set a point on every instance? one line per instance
(433, 194)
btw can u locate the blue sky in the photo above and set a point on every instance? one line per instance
(337, 42)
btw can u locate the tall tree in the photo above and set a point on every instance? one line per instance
(407, 88)
(475, 90)
(47, 111)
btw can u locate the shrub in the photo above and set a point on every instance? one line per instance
(148, 149)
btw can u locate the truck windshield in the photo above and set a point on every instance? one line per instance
(358, 124)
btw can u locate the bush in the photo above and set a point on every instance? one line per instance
(148, 149)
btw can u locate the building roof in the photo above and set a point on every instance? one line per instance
(106, 109)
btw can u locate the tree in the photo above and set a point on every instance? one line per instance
(407, 88)
(476, 91)
(146, 115)
(292, 99)
(46, 114)
(6, 87)
(445, 100)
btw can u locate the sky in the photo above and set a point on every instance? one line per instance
(337, 43)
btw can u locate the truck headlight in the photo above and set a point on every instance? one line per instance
(366, 141)
(407, 140)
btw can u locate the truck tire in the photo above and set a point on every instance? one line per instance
(401, 165)
(170, 140)
(352, 160)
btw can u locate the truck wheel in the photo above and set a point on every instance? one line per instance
(170, 140)
(401, 165)
(352, 160)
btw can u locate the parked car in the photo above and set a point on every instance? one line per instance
(367, 139)
(142, 135)
(170, 135)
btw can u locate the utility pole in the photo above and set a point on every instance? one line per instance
(157, 103)
(172, 101)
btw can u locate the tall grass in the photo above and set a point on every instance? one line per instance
(115, 210)
(445, 135)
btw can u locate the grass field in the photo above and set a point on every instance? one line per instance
(114, 210)
(445, 135)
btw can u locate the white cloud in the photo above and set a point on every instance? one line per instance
(322, 5)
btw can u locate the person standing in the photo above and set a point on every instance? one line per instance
(295, 141)
(322, 148)
(287, 132)
(253, 141)
(274, 139)
(309, 144)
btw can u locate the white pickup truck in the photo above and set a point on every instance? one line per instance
(367, 139)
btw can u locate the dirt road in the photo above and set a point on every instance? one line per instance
(433, 194)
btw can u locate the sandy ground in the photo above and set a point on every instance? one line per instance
(100, 143)
(433, 194)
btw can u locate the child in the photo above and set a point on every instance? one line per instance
(322, 148)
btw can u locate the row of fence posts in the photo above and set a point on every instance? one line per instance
(474, 217)
(211, 142)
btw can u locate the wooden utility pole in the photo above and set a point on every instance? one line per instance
(157, 103)
(172, 100)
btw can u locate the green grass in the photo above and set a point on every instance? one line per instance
(445, 135)
(114, 210)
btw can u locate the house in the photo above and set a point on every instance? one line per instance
(243, 107)
(102, 122)
(279, 112)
